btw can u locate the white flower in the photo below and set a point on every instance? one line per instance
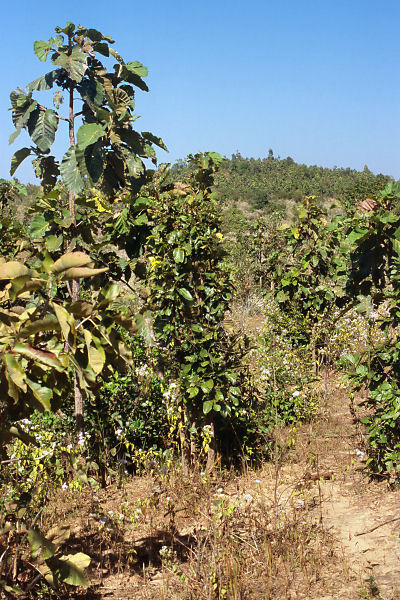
(103, 520)
(118, 433)
(111, 512)
(248, 498)
(296, 394)
(257, 481)
(121, 516)
(64, 486)
(220, 491)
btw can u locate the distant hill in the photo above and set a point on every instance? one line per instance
(269, 183)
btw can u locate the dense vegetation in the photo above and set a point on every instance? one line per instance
(273, 183)
(151, 319)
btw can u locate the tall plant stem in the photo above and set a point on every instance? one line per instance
(78, 399)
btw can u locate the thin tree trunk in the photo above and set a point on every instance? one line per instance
(212, 449)
(78, 399)
(185, 451)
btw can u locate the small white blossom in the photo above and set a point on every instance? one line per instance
(296, 394)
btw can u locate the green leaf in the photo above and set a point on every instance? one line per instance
(207, 386)
(42, 48)
(71, 567)
(42, 394)
(21, 117)
(45, 82)
(40, 545)
(92, 92)
(42, 127)
(15, 371)
(137, 68)
(154, 140)
(193, 391)
(185, 294)
(88, 134)
(179, 255)
(38, 226)
(70, 172)
(18, 157)
(64, 319)
(96, 355)
(53, 242)
(69, 29)
(94, 35)
(207, 406)
(40, 356)
(74, 63)
(356, 236)
(130, 77)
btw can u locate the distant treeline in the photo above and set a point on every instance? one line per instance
(266, 182)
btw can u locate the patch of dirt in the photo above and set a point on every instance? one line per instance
(365, 516)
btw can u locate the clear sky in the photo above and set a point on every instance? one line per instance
(317, 80)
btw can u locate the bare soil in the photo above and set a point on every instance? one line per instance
(309, 526)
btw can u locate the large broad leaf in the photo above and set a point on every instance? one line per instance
(42, 48)
(81, 273)
(88, 134)
(40, 356)
(91, 91)
(42, 127)
(154, 140)
(69, 29)
(185, 294)
(45, 82)
(64, 318)
(134, 165)
(71, 259)
(18, 157)
(74, 63)
(96, 354)
(48, 323)
(21, 116)
(15, 431)
(130, 77)
(47, 170)
(12, 270)
(15, 372)
(70, 172)
(38, 226)
(70, 568)
(137, 68)
(94, 161)
(42, 394)
(40, 545)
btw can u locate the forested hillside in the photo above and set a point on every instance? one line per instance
(267, 183)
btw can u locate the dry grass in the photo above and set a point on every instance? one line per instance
(231, 537)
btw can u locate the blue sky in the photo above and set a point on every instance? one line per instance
(314, 79)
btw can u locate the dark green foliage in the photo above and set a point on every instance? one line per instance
(266, 183)
(374, 283)
(108, 152)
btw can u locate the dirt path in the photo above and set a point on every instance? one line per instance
(364, 516)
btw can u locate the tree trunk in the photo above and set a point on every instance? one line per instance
(212, 449)
(78, 399)
(183, 438)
